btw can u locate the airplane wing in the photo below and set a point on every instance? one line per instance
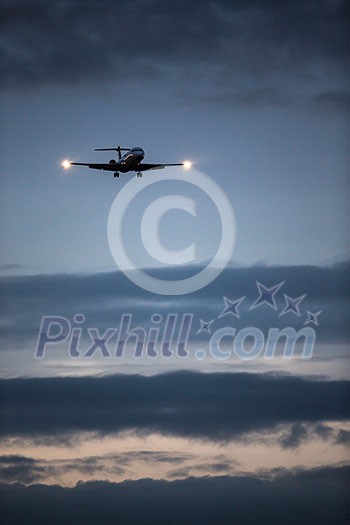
(107, 167)
(145, 167)
(114, 166)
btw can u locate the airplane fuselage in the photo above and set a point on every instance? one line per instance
(129, 161)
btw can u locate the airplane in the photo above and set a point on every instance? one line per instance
(130, 161)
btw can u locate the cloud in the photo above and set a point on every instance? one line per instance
(208, 469)
(118, 466)
(4, 268)
(28, 470)
(323, 431)
(257, 49)
(217, 406)
(339, 100)
(317, 496)
(295, 436)
(343, 437)
(104, 297)
(20, 468)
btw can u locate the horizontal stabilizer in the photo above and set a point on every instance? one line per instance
(112, 149)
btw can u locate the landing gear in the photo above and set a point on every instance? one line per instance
(139, 173)
(116, 174)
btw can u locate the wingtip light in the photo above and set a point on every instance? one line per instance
(66, 164)
(187, 165)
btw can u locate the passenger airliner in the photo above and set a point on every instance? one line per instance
(130, 161)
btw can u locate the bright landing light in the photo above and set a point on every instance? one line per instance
(187, 164)
(66, 164)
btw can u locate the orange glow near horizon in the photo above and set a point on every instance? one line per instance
(117, 457)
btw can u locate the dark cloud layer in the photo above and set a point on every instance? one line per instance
(216, 406)
(245, 51)
(331, 282)
(319, 496)
(102, 298)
